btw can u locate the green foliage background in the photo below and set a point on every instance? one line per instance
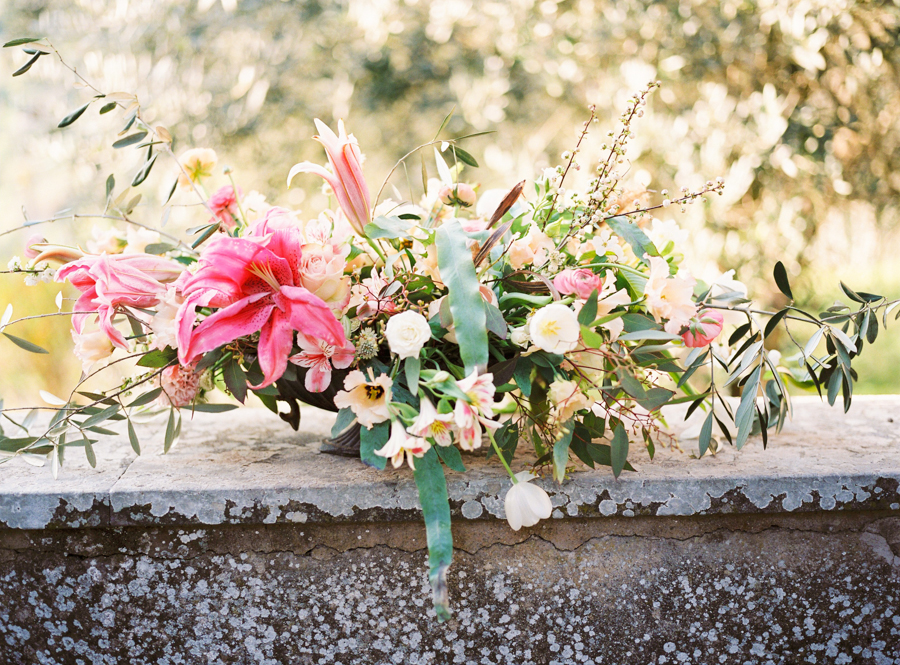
(795, 103)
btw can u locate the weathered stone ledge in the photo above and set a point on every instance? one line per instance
(246, 467)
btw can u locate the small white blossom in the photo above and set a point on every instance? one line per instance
(554, 328)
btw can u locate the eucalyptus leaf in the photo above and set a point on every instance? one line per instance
(458, 273)
(435, 502)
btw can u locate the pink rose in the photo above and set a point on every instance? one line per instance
(322, 272)
(581, 282)
(703, 329)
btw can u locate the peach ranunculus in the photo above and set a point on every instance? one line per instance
(669, 299)
(581, 282)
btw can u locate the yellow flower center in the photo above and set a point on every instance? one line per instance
(550, 328)
(374, 392)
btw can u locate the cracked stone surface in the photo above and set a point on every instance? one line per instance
(246, 545)
(247, 467)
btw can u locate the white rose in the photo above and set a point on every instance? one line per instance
(554, 329)
(407, 333)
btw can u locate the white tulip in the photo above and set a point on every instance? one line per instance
(526, 504)
(554, 329)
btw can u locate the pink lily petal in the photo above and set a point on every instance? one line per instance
(275, 342)
(243, 317)
(310, 315)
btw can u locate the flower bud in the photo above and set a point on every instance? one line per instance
(460, 194)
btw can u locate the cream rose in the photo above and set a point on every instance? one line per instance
(322, 273)
(407, 333)
(91, 348)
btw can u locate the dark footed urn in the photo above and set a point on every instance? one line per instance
(292, 391)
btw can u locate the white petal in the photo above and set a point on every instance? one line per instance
(538, 502)
(513, 506)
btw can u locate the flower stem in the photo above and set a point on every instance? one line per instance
(377, 249)
(502, 459)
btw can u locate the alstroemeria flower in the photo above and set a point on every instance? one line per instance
(319, 357)
(669, 298)
(400, 445)
(430, 424)
(470, 414)
(346, 176)
(255, 284)
(703, 329)
(367, 399)
(526, 504)
(108, 283)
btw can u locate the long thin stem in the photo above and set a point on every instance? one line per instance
(502, 459)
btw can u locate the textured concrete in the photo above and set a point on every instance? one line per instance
(248, 467)
(244, 545)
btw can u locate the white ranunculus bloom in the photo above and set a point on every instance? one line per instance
(526, 504)
(407, 333)
(554, 329)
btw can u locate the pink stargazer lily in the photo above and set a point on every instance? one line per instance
(254, 283)
(109, 282)
(346, 176)
(319, 357)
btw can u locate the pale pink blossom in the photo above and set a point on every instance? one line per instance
(703, 329)
(255, 285)
(110, 283)
(567, 399)
(368, 400)
(533, 249)
(581, 282)
(401, 444)
(430, 424)
(345, 178)
(180, 386)
(319, 357)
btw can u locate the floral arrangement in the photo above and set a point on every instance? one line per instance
(492, 322)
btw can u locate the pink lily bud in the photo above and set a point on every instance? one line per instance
(581, 282)
(346, 176)
(460, 194)
(703, 329)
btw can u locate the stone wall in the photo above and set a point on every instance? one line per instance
(245, 545)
